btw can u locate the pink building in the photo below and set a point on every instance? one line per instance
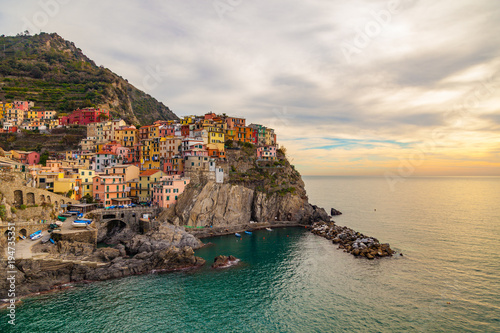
(111, 147)
(167, 130)
(168, 189)
(124, 154)
(28, 157)
(266, 153)
(85, 117)
(109, 190)
(21, 105)
(233, 122)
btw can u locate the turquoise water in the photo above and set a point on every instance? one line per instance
(292, 281)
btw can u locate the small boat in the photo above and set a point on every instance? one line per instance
(36, 235)
(61, 218)
(81, 223)
(269, 229)
(237, 234)
(58, 223)
(52, 241)
(248, 232)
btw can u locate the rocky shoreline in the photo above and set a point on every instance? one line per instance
(351, 241)
(167, 249)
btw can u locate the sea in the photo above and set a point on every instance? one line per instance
(445, 276)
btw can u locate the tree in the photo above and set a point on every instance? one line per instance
(44, 157)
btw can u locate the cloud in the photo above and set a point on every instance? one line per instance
(281, 63)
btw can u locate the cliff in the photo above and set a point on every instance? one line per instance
(56, 75)
(255, 191)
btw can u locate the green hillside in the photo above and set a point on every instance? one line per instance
(56, 75)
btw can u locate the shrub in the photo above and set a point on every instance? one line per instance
(22, 207)
(13, 210)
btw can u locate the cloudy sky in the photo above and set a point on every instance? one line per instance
(394, 88)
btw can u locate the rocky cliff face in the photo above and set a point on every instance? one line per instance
(221, 205)
(261, 192)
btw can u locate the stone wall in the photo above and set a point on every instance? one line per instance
(84, 236)
(15, 191)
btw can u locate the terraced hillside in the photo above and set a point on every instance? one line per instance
(56, 75)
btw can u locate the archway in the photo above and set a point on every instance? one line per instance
(113, 229)
(23, 232)
(115, 226)
(6, 234)
(42, 198)
(49, 199)
(30, 198)
(18, 198)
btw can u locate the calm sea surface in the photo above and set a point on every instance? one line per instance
(292, 281)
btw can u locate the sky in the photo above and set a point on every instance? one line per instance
(392, 88)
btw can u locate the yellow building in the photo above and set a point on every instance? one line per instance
(145, 184)
(187, 120)
(65, 186)
(86, 176)
(154, 131)
(127, 137)
(31, 114)
(46, 179)
(133, 185)
(150, 154)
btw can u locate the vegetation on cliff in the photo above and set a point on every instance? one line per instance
(270, 177)
(60, 139)
(56, 75)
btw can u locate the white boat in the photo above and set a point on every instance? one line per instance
(269, 229)
(81, 223)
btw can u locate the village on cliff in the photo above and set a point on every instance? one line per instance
(123, 165)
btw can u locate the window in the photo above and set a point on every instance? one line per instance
(97, 187)
(107, 188)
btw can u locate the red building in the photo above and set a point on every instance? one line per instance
(27, 157)
(85, 117)
(185, 131)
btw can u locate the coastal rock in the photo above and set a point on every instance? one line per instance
(335, 212)
(165, 236)
(351, 241)
(107, 254)
(224, 261)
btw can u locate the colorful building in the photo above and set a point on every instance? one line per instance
(103, 160)
(107, 188)
(167, 190)
(146, 179)
(26, 157)
(266, 153)
(127, 171)
(85, 117)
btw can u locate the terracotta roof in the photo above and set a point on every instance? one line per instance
(149, 172)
